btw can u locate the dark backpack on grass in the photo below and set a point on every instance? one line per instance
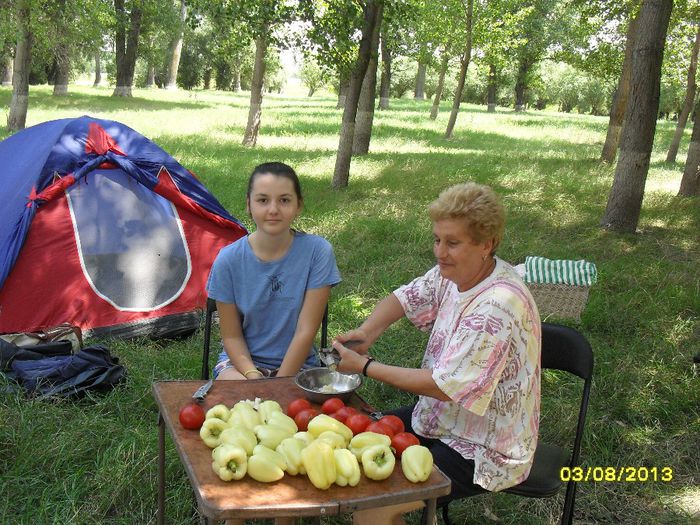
(52, 369)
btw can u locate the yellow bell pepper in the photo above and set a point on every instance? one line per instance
(211, 431)
(334, 439)
(244, 415)
(378, 462)
(319, 461)
(275, 457)
(271, 435)
(305, 437)
(229, 462)
(266, 465)
(283, 420)
(417, 463)
(239, 436)
(242, 402)
(323, 422)
(363, 440)
(267, 408)
(346, 467)
(220, 411)
(290, 449)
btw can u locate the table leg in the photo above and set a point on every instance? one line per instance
(161, 470)
(430, 513)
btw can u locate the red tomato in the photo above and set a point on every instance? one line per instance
(332, 405)
(402, 441)
(337, 415)
(357, 423)
(296, 406)
(192, 416)
(380, 428)
(394, 422)
(302, 418)
(344, 413)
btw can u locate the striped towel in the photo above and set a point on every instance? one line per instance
(562, 271)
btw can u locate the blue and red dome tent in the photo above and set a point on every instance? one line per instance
(101, 228)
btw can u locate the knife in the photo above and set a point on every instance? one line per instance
(330, 356)
(202, 391)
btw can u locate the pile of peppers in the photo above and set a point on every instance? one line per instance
(261, 441)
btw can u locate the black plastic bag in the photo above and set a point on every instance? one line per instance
(9, 352)
(63, 374)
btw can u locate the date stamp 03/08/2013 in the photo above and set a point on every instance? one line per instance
(617, 474)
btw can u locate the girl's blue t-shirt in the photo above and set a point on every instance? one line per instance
(269, 295)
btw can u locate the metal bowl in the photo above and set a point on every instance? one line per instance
(322, 383)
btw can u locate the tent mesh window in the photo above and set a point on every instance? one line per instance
(131, 243)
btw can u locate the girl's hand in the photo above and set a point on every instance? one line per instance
(350, 360)
(357, 340)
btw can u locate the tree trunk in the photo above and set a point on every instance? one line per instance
(341, 174)
(150, 74)
(237, 75)
(7, 70)
(365, 106)
(17, 118)
(441, 84)
(176, 49)
(521, 84)
(385, 84)
(207, 78)
(256, 93)
(690, 183)
(619, 102)
(60, 87)
(419, 92)
(98, 69)
(491, 92)
(627, 192)
(126, 48)
(61, 47)
(466, 57)
(687, 103)
(343, 92)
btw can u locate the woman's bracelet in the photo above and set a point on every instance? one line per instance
(367, 363)
(245, 374)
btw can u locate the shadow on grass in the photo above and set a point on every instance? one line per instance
(109, 103)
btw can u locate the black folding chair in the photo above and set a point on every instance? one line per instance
(566, 349)
(209, 317)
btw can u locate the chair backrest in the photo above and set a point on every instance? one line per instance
(564, 348)
(209, 315)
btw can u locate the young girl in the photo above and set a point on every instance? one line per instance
(271, 287)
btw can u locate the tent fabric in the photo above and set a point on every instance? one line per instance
(67, 150)
(79, 196)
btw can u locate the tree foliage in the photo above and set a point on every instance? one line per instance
(312, 76)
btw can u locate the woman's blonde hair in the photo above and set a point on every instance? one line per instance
(477, 206)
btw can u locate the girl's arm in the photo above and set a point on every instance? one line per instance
(232, 337)
(310, 317)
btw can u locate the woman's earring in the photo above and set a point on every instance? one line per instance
(483, 258)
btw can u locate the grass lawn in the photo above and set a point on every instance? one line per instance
(94, 461)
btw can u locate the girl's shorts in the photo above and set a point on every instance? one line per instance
(225, 364)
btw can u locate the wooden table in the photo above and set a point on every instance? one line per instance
(292, 495)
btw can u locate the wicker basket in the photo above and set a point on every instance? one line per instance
(559, 300)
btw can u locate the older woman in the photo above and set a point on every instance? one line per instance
(479, 382)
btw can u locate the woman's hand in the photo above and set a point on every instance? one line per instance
(357, 340)
(350, 360)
